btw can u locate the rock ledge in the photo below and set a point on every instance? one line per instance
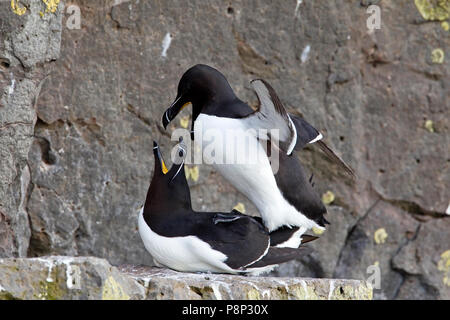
(62, 277)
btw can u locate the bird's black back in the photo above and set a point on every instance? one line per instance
(295, 186)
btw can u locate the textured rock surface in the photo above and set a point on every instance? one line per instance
(168, 284)
(28, 43)
(63, 277)
(380, 97)
(59, 277)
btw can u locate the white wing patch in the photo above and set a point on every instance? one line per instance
(319, 137)
(294, 241)
(294, 138)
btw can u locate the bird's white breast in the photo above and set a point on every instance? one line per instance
(254, 177)
(188, 254)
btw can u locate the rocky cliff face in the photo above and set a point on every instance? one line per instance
(79, 108)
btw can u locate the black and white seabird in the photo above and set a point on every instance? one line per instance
(283, 199)
(182, 239)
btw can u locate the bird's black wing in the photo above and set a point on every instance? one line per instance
(293, 183)
(307, 134)
(242, 239)
(271, 115)
(280, 255)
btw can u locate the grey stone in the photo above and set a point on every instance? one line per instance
(65, 278)
(364, 247)
(90, 278)
(27, 43)
(425, 262)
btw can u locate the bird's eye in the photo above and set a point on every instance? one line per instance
(181, 153)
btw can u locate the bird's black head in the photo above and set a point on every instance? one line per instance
(169, 190)
(201, 86)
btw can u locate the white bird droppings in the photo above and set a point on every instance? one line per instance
(117, 2)
(166, 44)
(73, 276)
(299, 2)
(305, 53)
(305, 288)
(216, 291)
(49, 264)
(12, 85)
(331, 289)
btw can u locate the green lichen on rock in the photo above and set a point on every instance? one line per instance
(304, 292)
(437, 56)
(50, 290)
(253, 294)
(429, 125)
(444, 266)
(328, 197)
(433, 10)
(112, 290)
(5, 295)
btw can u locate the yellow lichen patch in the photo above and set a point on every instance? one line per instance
(253, 294)
(17, 8)
(52, 5)
(192, 173)
(429, 125)
(113, 290)
(317, 231)
(300, 292)
(380, 236)
(445, 25)
(184, 121)
(434, 10)
(437, 56)
(50, 290)
(328, 197)
(240, 207)
(444, 266)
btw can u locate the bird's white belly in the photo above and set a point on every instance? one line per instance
(188, 254)
(253, 177)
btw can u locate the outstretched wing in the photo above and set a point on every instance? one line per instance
(270, 115)
(307, 134)
(293, 130)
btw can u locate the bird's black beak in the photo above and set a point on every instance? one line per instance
(159, 161)
(173, 110)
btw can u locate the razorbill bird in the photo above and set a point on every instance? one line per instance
(184, 240)
(283, 199)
